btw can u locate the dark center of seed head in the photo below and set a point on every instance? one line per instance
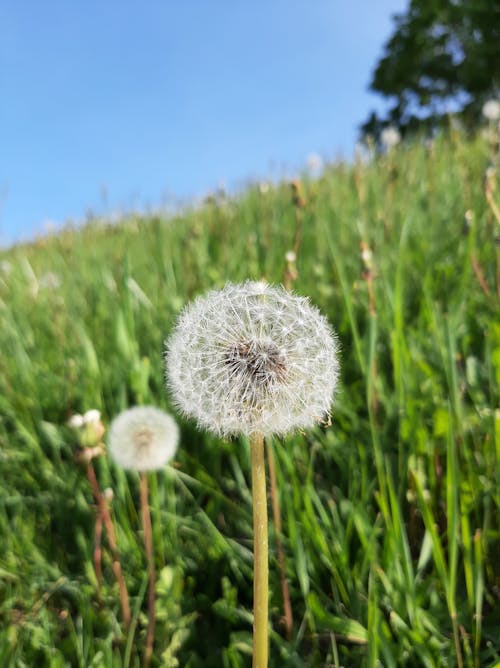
(143, 438)
(260, 362)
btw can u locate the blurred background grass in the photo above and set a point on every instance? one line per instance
(390, 516)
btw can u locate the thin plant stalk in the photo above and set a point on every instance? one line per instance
(148, 545)
(261, 566)
(98, 550)
(273, 485)
(113, 546)
(290, 276)
(299, 203)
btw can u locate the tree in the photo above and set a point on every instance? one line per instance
(443, 56)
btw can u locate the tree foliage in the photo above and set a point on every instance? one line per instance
(444, 55)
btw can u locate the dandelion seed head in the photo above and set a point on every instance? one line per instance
(5, 267)
(491, 110)
(252, 358)
(362, 153)
(50, 280)
(143, 438)
(314, 163)
(91, 416)
(390, 137)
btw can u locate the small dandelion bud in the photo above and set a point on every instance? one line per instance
(252, 358)
(143, 438)
(92, 433)
(108, 494)
(89, 453)
(290, 256)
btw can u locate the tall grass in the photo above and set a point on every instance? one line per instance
(390, 516)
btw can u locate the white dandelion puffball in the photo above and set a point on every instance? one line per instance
(252, 358)
(491, 110)
(314, 163)
(390, 137)
(143, 438)
(50, 280)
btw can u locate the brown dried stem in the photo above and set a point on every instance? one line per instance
(110, 531)
(489, 189)
(299, 203)
(479, 274)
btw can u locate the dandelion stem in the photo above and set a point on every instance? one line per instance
(98, 550)
(478, 271)
(260, 541)
(113, 546)
(275, 503)
(148, 544)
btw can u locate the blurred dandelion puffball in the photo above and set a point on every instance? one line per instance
(314, 163)
(390, 137)
(491, 110)
(143, 438)
(252, 358)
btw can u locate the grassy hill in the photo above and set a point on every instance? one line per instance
(391, 516)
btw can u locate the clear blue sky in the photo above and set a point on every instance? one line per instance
(122, 104)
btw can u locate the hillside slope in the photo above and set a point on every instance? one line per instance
(390, 516)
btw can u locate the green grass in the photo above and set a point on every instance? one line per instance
(390, 516)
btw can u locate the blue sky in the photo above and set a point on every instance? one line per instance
(116, 105)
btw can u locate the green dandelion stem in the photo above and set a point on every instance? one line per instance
(261, 567)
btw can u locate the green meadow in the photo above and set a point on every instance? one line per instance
(390, 515)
